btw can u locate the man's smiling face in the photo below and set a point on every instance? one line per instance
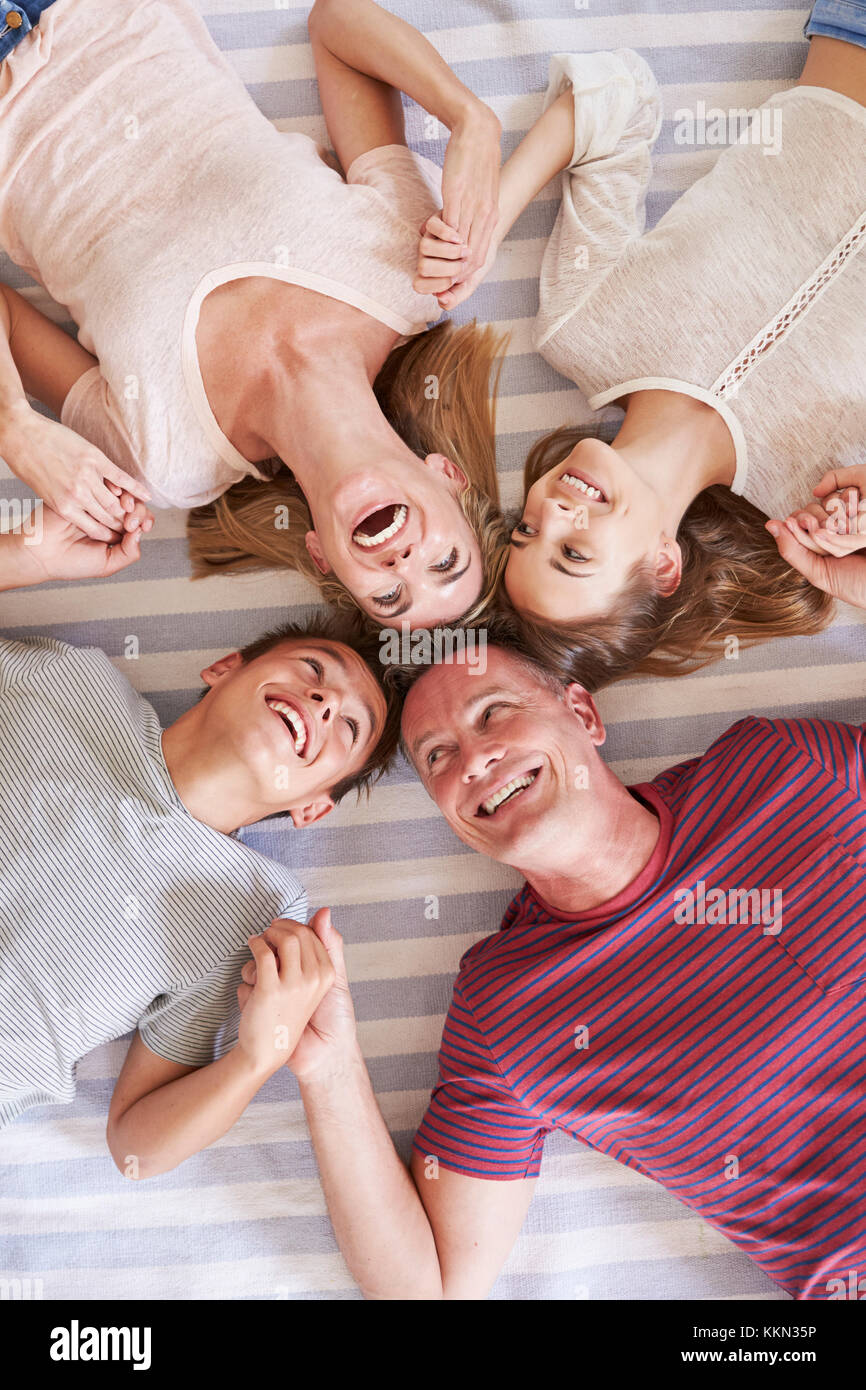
(295, 721)
(505, 756)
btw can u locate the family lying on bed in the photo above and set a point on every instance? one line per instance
(680, 982)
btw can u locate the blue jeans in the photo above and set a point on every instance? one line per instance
(838, 19)
(17, 20)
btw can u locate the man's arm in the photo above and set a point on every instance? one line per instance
(403, 1234)
(163, 1112)
(420, 1234)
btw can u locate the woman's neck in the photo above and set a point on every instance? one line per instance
(294, 355)
(678, 445)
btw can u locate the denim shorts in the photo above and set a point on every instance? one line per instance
(16, 21)
(838, 19)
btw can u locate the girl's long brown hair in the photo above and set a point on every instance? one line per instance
(734, 584)
(436, 392)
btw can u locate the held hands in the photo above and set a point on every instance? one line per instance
(456, 243)
(445, 266)
(73, 477)
(821, 541)
(56, 549)
(295, 1004)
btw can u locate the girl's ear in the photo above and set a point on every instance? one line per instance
(316, 553)
(452, 471)
(211, 674)
(669, 566)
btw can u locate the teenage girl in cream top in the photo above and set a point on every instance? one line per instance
(734, 334)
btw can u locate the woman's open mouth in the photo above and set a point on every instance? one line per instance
(380, 526)
(578, 483)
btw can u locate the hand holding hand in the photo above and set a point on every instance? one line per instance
(470, 181)
(329, 1036)
(56, 549)
(841, 574)
(445, 266)
(283, 986)
(71, 476)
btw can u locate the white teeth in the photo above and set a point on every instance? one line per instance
(593, 492)
(295, 721)
(399, 518)
(517, 785)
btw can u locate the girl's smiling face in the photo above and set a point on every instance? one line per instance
(585, 525)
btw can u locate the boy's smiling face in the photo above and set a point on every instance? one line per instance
(294, 723)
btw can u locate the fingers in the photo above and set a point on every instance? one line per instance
(267, 972)
(838, 478)
(332, 941)
(94, 530)
(299, 948)
(834, 543)
(105, 508)
(434, 248)
(248, 973)
(435, 286)
(799, 556)
(437, 227)
(116, 475)
(138, 517)
(244, 992)
(123, 552)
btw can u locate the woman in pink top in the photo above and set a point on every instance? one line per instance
(252, 322)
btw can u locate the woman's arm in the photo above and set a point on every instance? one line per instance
(543, 152)
(70, 475)
(364, 58)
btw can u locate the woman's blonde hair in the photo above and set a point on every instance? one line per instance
(436, 393)
(734, 584)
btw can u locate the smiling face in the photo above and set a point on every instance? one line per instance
(293, 723)
(585, 525)
(506, 758)
(397, 538)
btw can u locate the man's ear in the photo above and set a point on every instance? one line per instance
(452, 471)
(669, 566)
(316, 553)
(313, 811)
(581, 703)
(211, 674)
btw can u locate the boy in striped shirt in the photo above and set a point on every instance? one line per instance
(126, 901)
(681, 984)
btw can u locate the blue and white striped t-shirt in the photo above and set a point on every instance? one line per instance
(117, 907)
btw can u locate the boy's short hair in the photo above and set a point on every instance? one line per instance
(349, 632)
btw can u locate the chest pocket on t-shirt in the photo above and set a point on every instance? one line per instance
(821, 918)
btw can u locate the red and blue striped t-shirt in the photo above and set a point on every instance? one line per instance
(706, 1026)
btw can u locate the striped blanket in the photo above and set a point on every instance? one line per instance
(247, 1219)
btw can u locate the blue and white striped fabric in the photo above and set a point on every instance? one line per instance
(247, 1218)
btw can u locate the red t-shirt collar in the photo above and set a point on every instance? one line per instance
(639, 886)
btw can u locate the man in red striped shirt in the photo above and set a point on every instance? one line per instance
(681, 983)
